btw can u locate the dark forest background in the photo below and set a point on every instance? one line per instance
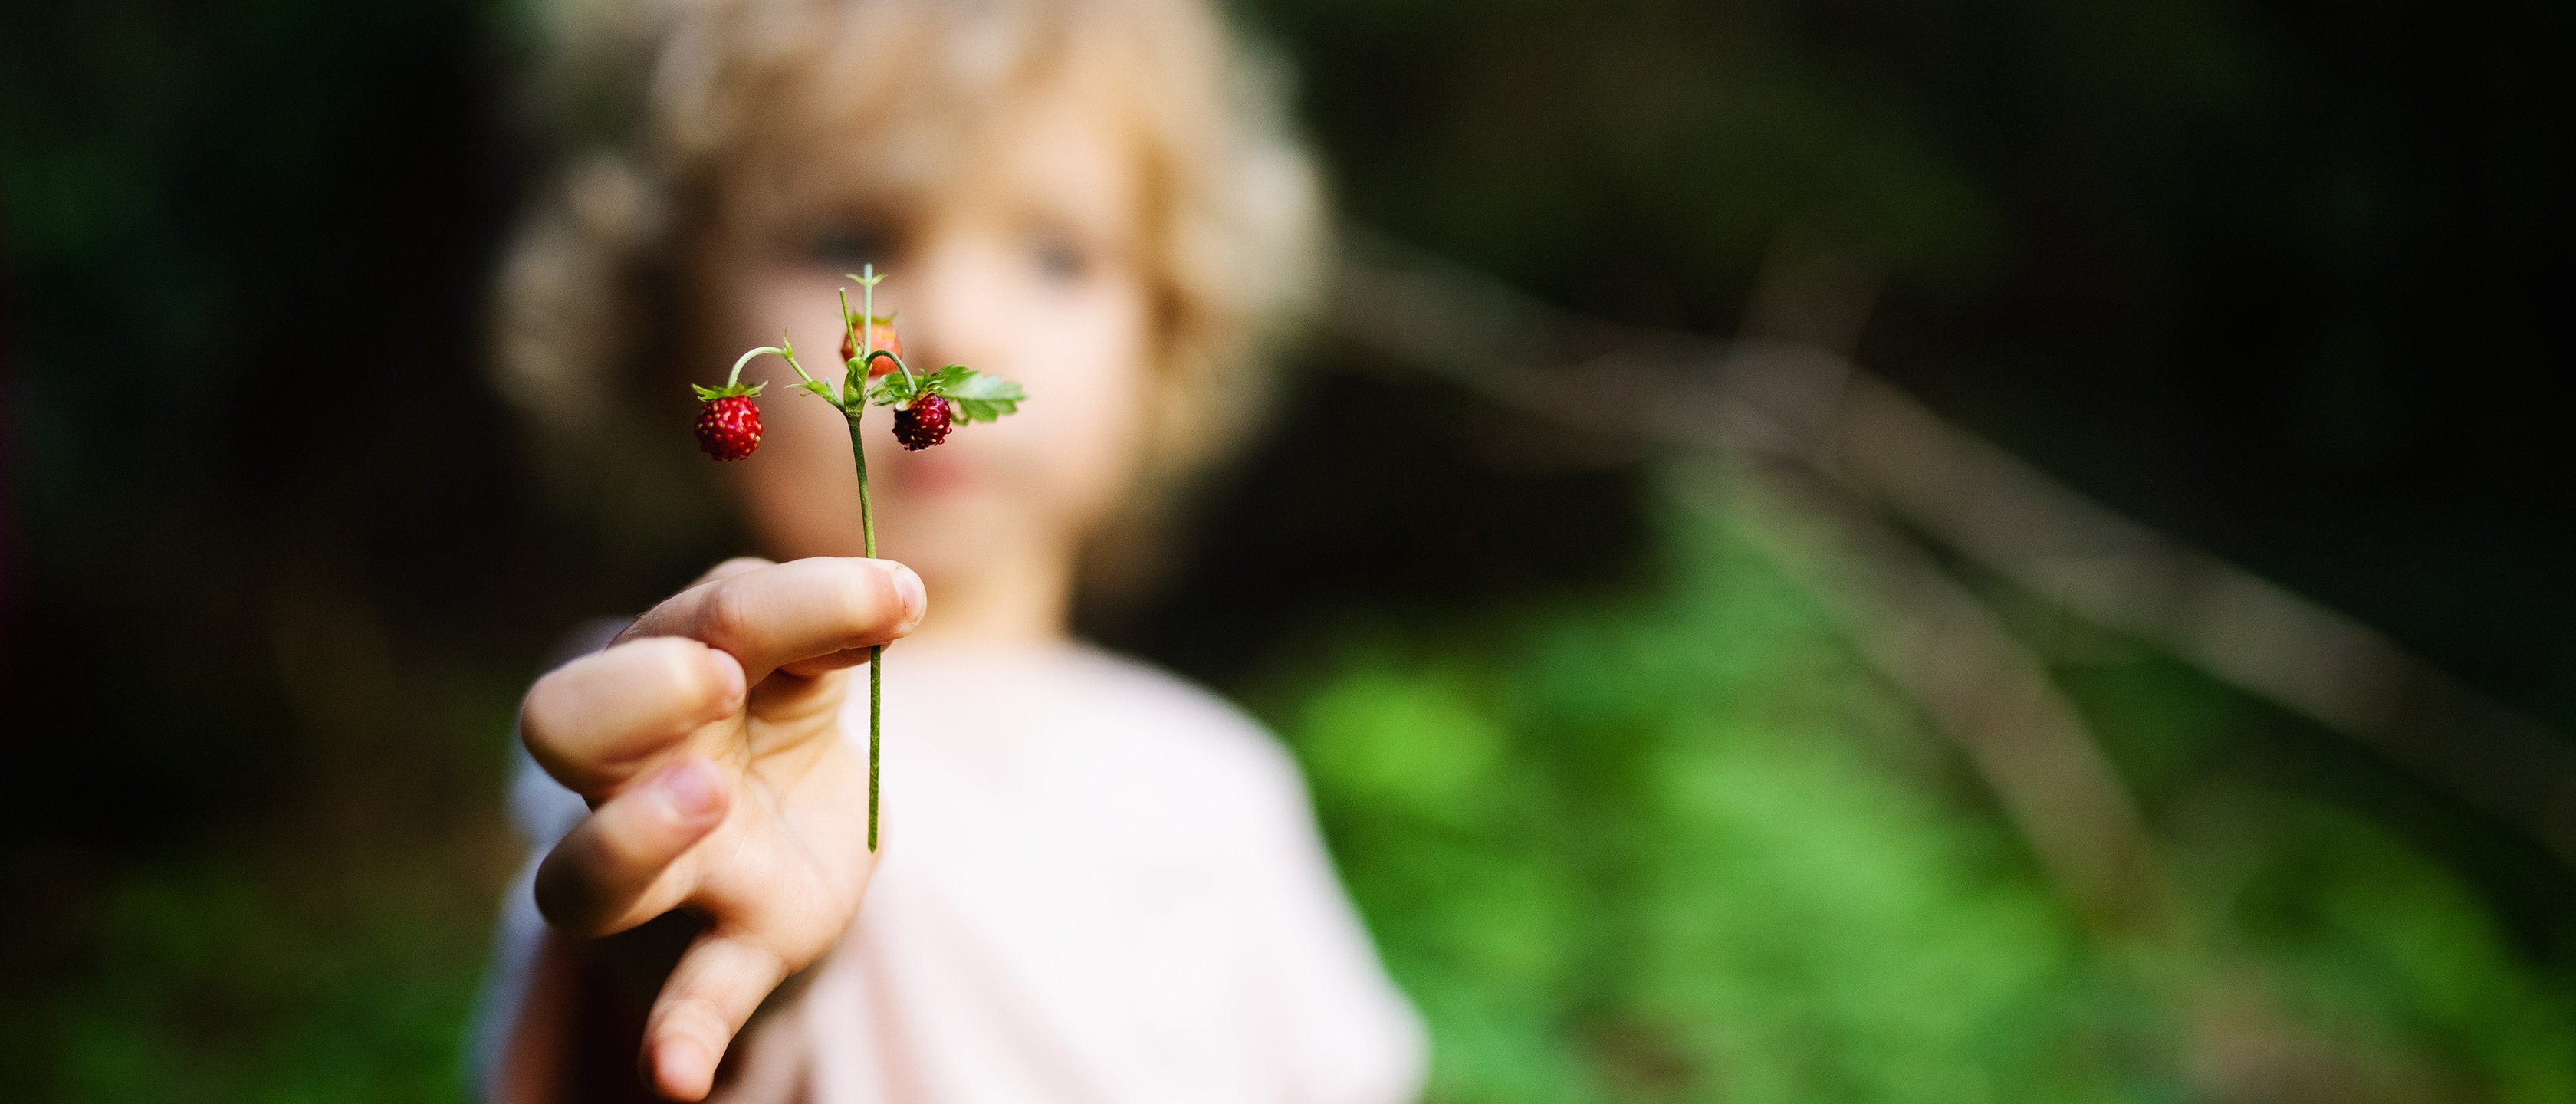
(2288, 281)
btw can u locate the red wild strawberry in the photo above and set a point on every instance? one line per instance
(729, 427)
(923, 422)
(881, 335)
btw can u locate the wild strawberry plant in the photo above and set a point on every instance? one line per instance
(926, 407)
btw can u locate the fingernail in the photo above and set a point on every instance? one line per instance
(690, 791)
(729, 678)
(907, 586)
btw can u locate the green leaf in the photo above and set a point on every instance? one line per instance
(974, 386)
(974, 397)
(968, 411)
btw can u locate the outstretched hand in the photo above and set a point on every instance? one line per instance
(707, 741)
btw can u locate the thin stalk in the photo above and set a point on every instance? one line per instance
(857, 407)
(876, 653)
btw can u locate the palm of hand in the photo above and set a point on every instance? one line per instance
(785, 871)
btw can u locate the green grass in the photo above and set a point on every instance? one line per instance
(274, 972)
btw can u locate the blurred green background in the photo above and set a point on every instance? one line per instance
(1632, 818)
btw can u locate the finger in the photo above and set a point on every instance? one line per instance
(615, 870)
(714, 990)
(773, 616)
(726, 570)
(593, 722)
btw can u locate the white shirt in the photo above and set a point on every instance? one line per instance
(1098, 883)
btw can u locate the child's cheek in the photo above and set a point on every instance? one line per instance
(1074, 439)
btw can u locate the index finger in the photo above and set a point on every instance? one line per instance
(768, 617)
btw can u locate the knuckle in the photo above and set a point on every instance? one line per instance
(699, 1016)
(726, 616)
(686, 667)
(628, 844)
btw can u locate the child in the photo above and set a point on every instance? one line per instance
(1096, 882)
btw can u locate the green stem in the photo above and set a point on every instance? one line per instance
(876, 653)
(783, 351)
(876, 704)
(910, 383)
(854, 407)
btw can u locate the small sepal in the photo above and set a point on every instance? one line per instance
(711, 394)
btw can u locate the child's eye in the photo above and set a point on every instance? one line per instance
(849, 246)
(1059, 259)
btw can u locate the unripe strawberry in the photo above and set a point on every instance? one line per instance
(881, 335)
(729, 427)
(922, 423)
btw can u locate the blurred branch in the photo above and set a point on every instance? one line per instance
(1930, 636)
(1795, 405)
(1916, 625)
(2241, 629)
(1915, 622)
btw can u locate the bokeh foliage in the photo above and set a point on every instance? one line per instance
(1688, 847)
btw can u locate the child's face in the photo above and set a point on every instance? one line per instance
(1028, 268)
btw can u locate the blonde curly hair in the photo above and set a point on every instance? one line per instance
(676, 118)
